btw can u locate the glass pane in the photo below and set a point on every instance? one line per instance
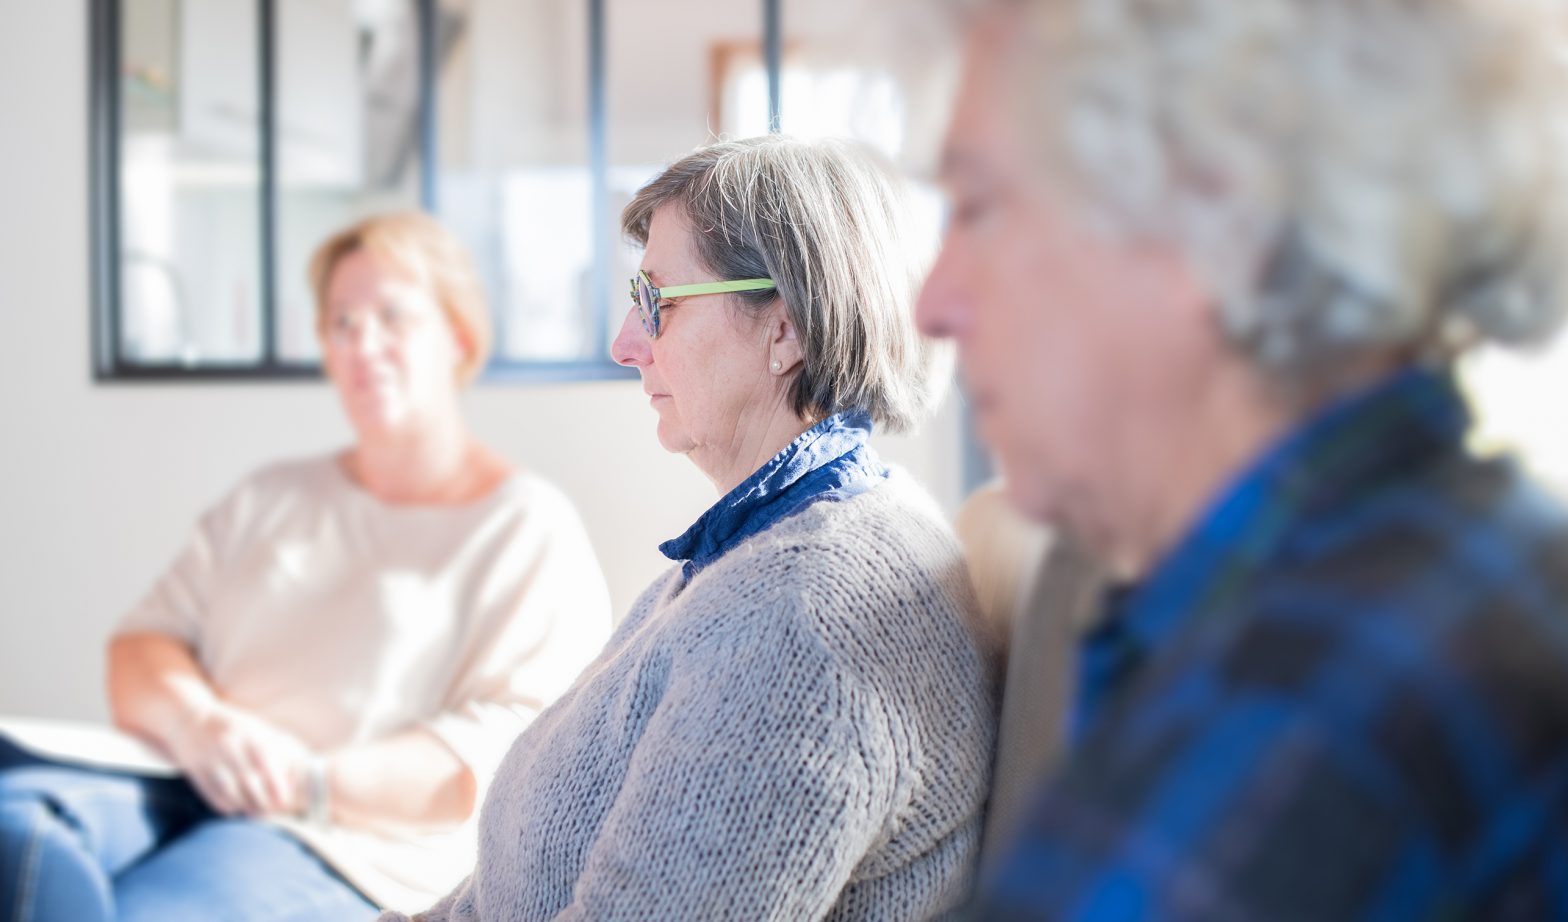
(880, 73)
(189, 182)
(515, 184)
(840, 77)
(348, 141)
(680, 74)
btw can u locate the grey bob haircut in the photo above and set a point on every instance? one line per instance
(827, 221)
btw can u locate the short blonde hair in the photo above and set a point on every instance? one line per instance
(415, 244)
(828, 222)
(1352, 176)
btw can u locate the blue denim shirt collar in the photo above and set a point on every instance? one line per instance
(829, 461)
(1353, 445)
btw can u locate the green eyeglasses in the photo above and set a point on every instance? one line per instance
(647, 296)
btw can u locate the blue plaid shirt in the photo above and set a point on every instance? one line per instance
(1343, 696)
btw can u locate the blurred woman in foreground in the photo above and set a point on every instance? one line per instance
(1211, 270)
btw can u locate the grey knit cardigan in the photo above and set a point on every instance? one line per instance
(804, 731)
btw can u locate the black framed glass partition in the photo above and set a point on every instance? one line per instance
(231, 136)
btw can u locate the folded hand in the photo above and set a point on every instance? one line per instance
(242, 764)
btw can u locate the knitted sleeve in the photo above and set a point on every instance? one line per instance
(762, 778)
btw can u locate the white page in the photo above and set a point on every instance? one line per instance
(88, 744)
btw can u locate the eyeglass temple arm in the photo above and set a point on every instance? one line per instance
(713, 288)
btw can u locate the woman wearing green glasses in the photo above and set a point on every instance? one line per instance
(796, 720)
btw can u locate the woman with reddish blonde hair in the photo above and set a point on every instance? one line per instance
(343, 652)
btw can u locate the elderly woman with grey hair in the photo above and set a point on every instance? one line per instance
(1210, 268)
(795, 721)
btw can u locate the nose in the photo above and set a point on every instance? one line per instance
(939, 309)
(631, 346)
(370, 340)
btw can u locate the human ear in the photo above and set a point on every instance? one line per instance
(784, 352)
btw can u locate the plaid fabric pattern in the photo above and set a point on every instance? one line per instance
(1343, 697)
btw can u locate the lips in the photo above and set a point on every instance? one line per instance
(648, 391)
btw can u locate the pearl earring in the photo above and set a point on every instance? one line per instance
(778, 366)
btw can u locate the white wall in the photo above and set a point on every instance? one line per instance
(99, 483)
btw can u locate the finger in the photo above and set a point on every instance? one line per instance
(276, 791)
(226, 797)
(205, 790)
(253, 791)
(288, 782)
(246, 787)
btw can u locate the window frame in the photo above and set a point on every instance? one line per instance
(104, 161)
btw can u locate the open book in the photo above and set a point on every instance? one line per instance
(90, 744)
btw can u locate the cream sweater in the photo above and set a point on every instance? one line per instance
(804, 731)
(343, 619)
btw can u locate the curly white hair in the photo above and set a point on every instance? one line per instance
(1352, 175)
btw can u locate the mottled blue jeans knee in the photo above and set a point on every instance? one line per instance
(82, 844)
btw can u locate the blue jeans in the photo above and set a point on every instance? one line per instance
(82, 845)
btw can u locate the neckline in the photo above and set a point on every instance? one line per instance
(337, 461)
(829, 460)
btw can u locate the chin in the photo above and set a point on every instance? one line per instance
(1071, 511)
(672, 439)
(379, 419)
